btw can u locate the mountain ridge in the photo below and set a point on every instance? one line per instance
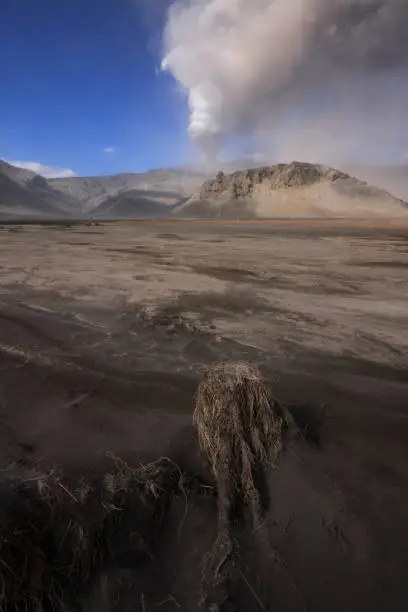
(297, 189)
(24, 193)
(93, 191)
(188, 190)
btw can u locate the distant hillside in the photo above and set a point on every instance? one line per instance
(289, 190)
(24, 193)
(242, 191)
(122, 195)
(19, 175)
(393, 179)
(164, 186)
(134, 204)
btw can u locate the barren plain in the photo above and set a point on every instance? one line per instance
(106, 329)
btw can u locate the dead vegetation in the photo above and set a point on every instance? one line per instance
(242, 430)
(56, 539)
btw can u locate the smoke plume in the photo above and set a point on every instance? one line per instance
(254, 66)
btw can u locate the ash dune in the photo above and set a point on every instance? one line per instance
(297, 190)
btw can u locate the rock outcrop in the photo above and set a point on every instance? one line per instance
(295, 190)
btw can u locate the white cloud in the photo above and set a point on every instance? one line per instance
(110, 150)
(46, 171)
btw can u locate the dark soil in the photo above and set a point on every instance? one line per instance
(338, 519)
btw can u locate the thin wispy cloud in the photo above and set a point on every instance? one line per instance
(109, 150)
(45, 171)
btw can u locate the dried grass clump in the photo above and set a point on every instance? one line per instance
(56, 539)
(45, 543)
(241, 430)
(136, 503)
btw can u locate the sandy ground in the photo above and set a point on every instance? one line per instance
(104, 332)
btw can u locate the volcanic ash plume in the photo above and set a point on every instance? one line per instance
(246, 64)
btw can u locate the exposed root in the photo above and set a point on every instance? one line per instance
(241, 430)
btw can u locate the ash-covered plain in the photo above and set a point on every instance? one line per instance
(105, 331)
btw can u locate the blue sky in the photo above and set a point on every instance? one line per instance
(81, 91)
(80, 78)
